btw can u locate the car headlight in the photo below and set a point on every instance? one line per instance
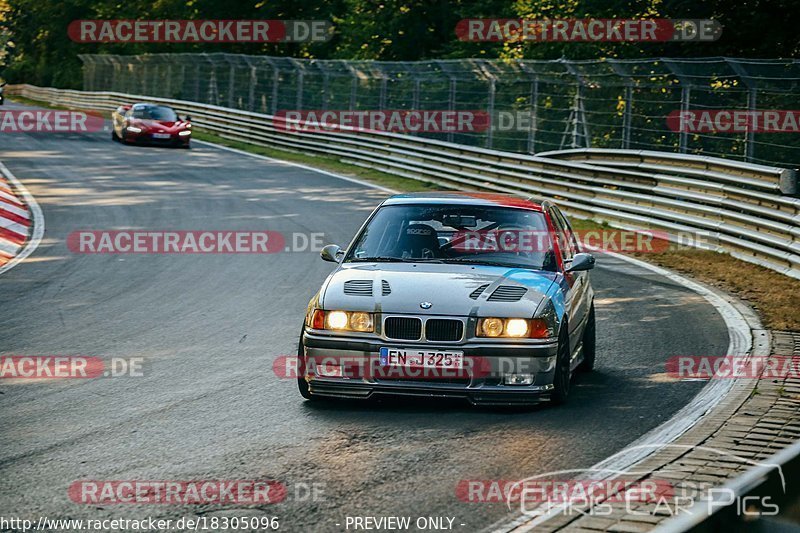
(535, 328)
(342, 320)
(134, 129)
(184, 133)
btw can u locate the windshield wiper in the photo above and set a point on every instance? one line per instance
(469, 261)
(388, 259)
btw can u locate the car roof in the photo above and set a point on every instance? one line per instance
(148, 104)
(467, 198)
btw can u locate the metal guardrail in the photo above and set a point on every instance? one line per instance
(736, 207)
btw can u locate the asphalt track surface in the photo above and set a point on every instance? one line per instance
(209, 327)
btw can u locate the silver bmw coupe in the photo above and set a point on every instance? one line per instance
(484, 297)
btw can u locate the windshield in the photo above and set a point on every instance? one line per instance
(499, 236)
(155, 112)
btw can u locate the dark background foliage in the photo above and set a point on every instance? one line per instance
(35, 48)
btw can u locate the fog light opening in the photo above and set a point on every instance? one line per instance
(518, 379)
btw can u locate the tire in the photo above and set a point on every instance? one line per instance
(114, 136)
(589, 343)
(562, 375)
(302, 384)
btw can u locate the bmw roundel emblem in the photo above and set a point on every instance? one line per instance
(425, 305)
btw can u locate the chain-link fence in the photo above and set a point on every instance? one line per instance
(573, 104)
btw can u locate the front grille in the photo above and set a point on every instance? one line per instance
(406, 328)
(508, 293)
(358, 287)
(444, 330)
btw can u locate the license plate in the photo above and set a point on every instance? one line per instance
(161, 136)
(414, 357)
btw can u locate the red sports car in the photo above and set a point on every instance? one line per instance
(151, 124)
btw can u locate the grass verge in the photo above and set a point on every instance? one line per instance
(774, 296)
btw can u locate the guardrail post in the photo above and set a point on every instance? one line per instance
(415, 99)
(627, 118)
(276, 74)
(353, 92)
(251, 93)
(300, 76)
(534, 115)
(382, 97)
(686, 94)
(325, 89)
(490, 110)
(168, 92)
(750, 138)
(197, 82)
(231, 85)
(451, 104)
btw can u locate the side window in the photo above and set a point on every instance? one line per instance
(573, 240)
(566, 241)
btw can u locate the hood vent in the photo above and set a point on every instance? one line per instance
(358, 287)
(508, 293)
(477, 292)
(386, 289)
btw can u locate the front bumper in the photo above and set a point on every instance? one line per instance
(484, 386)
(147, 138)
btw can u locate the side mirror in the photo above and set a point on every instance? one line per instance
(188, 118)
(581, 262)
(331, 253)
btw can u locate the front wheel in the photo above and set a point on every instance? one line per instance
(589, 343)
(562, 375)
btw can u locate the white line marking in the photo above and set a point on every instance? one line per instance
(38, 220)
